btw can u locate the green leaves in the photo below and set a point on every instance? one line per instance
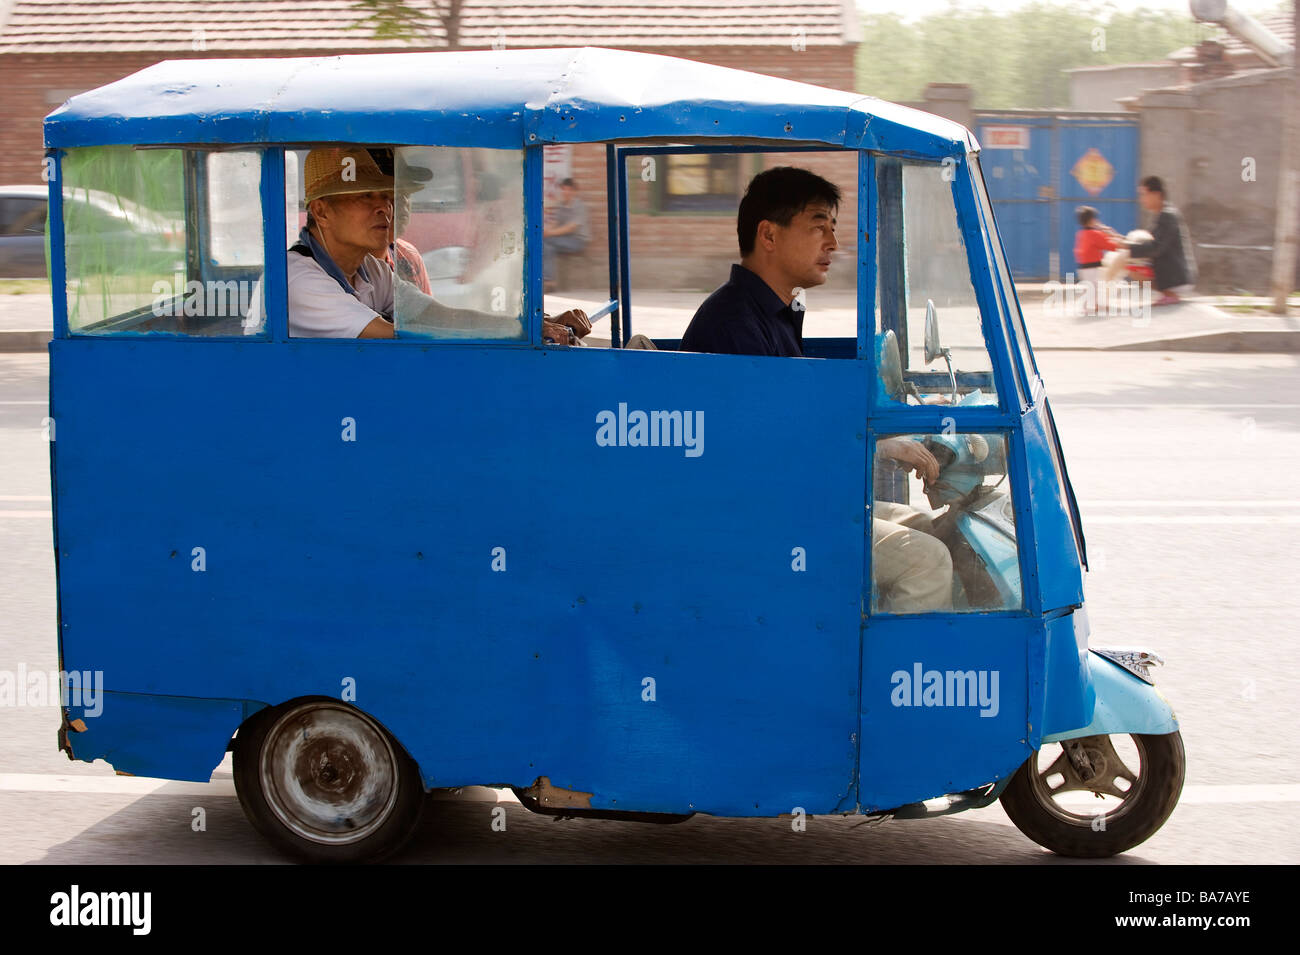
(1016, 59)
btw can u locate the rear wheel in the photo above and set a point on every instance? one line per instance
(1099, 795)
(325, 782)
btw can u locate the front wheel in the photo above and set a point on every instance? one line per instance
(1090, 798)
(325, 782)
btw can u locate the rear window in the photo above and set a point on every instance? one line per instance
(161, 240)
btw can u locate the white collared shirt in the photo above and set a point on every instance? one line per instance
(319, 308)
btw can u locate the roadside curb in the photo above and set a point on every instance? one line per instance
(24, 340)
(1245, 341)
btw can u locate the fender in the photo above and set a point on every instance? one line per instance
(143, 734)
(1125, 704)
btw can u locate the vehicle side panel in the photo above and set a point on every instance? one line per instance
(650, 639)
(923, 737)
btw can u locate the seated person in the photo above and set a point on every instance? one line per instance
(786, 229)
(912, 569)
(567, 234)
(1170, 248)
(349, 215)
(404, 257)
(340, 284)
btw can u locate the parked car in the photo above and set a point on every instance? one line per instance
(22, 228)
(22, 231)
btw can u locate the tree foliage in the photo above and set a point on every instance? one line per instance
(1016, 59)
(410, 21)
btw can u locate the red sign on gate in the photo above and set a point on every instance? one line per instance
(1005, 137)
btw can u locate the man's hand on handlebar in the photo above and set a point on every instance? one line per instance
(557, 329)
(910, 455)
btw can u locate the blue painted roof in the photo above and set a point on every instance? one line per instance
(507, 98)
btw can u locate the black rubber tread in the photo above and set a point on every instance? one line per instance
(1163, 766)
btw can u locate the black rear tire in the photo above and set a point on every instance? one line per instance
(1153, 788)
(325, 782)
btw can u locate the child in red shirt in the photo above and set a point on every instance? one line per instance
(1093, 240)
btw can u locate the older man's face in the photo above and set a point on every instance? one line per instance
(358, 221)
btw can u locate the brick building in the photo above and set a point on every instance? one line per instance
(53, 49)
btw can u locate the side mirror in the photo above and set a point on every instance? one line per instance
(932, 347)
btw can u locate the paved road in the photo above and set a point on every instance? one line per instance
(1185, 468)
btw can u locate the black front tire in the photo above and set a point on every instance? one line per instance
(325, 782)
(1142, 796)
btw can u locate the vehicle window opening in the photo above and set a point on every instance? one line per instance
(679, 255)
(943, 525)
(929, 338)
(444, 236)
(162, 240)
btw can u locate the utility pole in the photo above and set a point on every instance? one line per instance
(1285, 234)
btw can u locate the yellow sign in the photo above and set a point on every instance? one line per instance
(1093, 172)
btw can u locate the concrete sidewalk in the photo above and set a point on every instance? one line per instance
(1196, 324)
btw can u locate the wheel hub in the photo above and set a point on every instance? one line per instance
(329, 773)
(1090, 764)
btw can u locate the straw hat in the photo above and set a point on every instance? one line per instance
(328, 172)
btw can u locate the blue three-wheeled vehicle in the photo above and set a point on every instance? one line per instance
(338, 557)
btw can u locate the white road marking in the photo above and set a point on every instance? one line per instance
(1169, 503)
(1191, 519)
(43, 498)
(1173, 405)
(42, 514)
(1202, 795)
(43, 401)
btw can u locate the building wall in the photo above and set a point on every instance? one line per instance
(1217, 145)
(1100, 89)
(672, 250)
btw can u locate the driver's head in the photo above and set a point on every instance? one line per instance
(786, 226)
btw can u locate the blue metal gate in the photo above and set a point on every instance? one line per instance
(1040, 166)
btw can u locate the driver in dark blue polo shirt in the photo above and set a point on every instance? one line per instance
(786, 228)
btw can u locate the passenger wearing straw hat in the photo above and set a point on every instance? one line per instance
(349, 215)
(340, 283)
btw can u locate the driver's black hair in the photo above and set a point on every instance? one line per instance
(1086, 214)
(1154, 184)
(778, 195)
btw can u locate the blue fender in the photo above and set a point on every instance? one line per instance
(1125, 704)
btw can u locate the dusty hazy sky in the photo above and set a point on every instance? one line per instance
(911, 9)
